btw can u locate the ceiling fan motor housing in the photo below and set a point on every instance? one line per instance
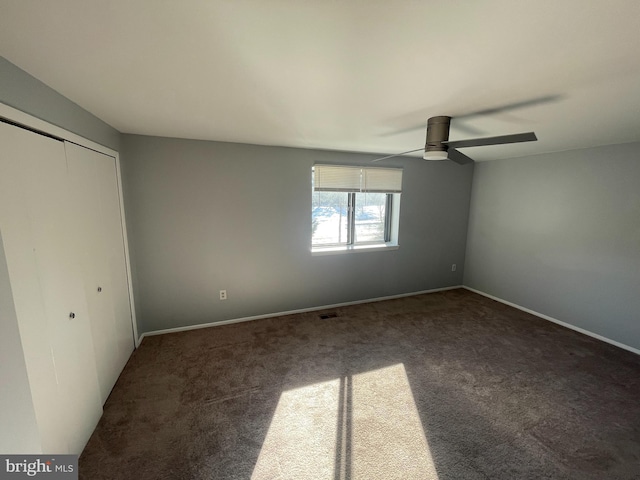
(437, 132)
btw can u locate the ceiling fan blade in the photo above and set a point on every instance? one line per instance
(511, 106)
(497, 110)
(397, 154)
(458, 157)
(400, 131)
(480, 142)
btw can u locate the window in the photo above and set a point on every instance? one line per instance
(354, 207)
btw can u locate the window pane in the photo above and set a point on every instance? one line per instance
(370, 217)
(329, 218)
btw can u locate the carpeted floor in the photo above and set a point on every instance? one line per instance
(448, 385)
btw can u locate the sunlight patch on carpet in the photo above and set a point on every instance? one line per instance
(361, 426)
(301, 439)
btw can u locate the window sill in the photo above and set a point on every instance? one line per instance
(337, 250)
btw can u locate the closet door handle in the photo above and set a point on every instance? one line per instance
(99, 289)
(72, 315)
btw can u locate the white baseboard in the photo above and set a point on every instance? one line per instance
(555, 320)
(289, 312)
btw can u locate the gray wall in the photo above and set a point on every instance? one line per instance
(560, 234)
(19, 432)
(20, 90)
(205, 216)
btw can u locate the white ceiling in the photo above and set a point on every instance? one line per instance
(343, 75)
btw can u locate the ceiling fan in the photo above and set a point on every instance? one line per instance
(438, 146)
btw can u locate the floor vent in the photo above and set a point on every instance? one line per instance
(324, 316)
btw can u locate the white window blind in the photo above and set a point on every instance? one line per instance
(357, 179)
(382, 180)
(335, 177)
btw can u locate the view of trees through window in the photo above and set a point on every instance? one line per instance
(333, 224)
(330, 218)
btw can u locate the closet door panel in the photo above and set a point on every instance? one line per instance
(22, 265)
(113, 234)
(97, 210)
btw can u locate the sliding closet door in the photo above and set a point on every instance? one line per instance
(40, 243)
(97, 214)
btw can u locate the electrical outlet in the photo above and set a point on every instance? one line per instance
(453, 267)
(223, 294)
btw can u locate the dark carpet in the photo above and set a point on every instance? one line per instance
(448, 385)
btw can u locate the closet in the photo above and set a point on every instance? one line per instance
(63, 242)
